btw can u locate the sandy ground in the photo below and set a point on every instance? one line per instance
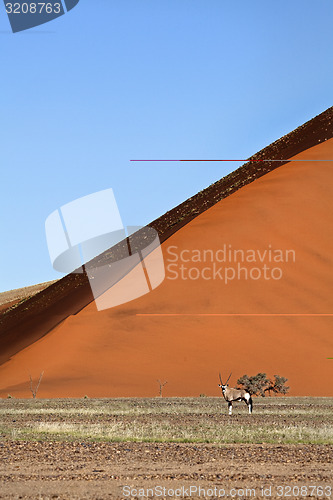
(36, 463)
(108, 470)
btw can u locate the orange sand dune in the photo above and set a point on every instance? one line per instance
(187, 330)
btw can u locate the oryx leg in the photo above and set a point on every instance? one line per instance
(248, 401)
(230, 407)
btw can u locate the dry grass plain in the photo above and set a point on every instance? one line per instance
(93, 448)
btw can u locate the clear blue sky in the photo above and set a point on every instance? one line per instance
(114, 80)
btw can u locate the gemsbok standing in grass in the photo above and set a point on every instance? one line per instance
(231, 395)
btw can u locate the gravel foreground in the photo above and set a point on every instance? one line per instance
(165, 448)
(63, 470)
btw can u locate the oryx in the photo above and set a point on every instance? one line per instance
(231, 395)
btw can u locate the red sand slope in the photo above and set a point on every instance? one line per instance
(117, 352)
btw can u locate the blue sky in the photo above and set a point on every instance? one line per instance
(114, 80)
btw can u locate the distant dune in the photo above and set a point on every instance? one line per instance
(187, 330)
(12, 297)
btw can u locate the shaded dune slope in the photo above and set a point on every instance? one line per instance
(280, 326)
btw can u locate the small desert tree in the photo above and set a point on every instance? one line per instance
(35, 390)
(277, 385)
(161, 384)
(255, 384)
(259, 384)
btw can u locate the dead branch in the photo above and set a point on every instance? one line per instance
(35, 390)
(162, 384)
